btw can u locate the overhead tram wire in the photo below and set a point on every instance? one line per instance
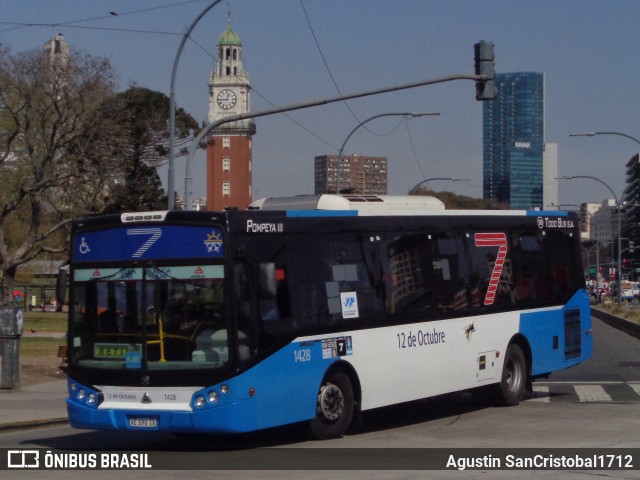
(326, 65)
(413, 148)
(91, 19)
(265, 99)
(295, 121)
(69, 25)
(215, 59)
(85, 27)
(335, 83)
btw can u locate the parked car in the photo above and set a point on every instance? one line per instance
(630, 290)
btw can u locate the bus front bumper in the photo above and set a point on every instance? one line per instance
(236, 417)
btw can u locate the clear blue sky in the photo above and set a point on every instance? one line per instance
(588, 51)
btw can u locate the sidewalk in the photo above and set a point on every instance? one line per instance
(34, 405)
(45, 403)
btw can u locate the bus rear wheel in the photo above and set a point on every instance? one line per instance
(513, 383)
(334, 408)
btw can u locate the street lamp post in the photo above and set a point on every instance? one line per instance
(593, 134)
(453, 179)
(402, 114)
(172, 107)
(634, 139)
(619, 207)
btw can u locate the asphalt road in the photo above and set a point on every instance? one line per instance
(396, 441)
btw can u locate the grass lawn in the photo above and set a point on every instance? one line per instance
(45, 321)
(40, 346)
(41, 322)
(624, 311)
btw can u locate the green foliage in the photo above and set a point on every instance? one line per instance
(70, 146)
(139, 128)
(461, 202)
(50, 163)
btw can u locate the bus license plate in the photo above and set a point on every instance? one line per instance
(143, 422)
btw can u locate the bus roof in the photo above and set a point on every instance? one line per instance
(349, 202)
(366, 205)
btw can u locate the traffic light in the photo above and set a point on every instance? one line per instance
(484, 64)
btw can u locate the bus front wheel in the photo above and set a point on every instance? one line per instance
(334, 408)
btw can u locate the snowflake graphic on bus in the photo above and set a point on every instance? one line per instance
(214, 242)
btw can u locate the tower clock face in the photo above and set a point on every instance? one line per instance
(226, 99)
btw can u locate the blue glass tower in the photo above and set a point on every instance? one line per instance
(513, 141)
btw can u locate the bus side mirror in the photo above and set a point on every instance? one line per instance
(61, 286)
(267, 280)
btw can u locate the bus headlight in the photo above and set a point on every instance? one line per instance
(200, 401)
(213, 396)
(87, 395)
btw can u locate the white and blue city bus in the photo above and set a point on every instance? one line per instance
(313, 309)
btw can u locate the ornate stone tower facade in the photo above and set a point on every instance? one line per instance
(229, 153)
(58, 51)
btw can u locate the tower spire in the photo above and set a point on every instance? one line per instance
(229, 151)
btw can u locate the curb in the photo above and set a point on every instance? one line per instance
(47, 422)
(617, 322)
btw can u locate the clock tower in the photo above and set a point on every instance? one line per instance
(229, 146)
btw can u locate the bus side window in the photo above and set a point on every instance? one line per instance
(560, 264)
(526, 261)
(273, 297)
(354, 278)
(241, 290)
(413, 276)
(246, 330)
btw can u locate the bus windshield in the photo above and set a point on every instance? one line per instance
(157, 318)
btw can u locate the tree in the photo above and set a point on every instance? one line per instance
(461, 202)
(140, 143)
(52, 150)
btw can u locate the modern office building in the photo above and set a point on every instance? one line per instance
(357, 174)
(513, 141)
(604, 222)
(631, 197)
(549, 175)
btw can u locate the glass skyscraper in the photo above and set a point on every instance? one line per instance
(513, 141)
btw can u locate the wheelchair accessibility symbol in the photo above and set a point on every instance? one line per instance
(84, 247)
